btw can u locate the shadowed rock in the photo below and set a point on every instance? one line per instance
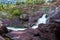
(1, 38)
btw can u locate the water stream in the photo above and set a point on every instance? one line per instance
(43, 20)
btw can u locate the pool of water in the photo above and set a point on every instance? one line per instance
(16, 29)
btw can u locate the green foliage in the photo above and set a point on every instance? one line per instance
(15, 12)
(34, 2)
(18, 3)
(1, 7)
(30, 1)
(39, 2)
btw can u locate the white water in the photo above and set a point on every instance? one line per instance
(16, 29)
(43, 20)
(40, 20)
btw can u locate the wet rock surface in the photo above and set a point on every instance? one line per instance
(49, 31)
(43, 32)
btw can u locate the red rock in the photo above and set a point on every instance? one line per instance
(1, 38)
(36, 38)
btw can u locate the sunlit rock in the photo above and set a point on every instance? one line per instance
(4, 15)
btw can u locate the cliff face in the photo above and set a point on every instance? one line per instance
(58, 0)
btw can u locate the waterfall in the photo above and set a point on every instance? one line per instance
(43, 20)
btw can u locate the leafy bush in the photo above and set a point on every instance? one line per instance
(16, 12)
(18, 3)
(40, 2)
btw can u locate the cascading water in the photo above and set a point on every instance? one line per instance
(43, 20)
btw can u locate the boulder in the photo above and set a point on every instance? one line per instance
(1, 38)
